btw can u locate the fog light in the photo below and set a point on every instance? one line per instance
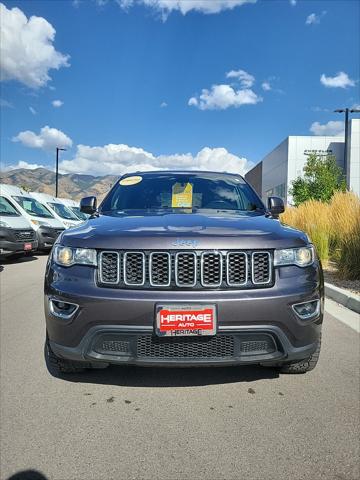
(307, 310)
(62, 309)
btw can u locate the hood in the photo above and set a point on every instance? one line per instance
(184, 231)
(15, 221)
(51, 222)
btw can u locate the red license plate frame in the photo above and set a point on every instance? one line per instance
(28, 246)
(194, 320)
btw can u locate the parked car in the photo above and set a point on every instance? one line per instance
(58, 209)
(47, 227)
(183, 269)
(17, 237)
(74, 207)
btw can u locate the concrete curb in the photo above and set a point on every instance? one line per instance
(342, 296)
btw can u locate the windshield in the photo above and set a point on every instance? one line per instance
(182, 193)
(63, 212)
(33, 207)
(79, 214)
(6, 208)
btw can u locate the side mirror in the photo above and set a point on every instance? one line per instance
(276, 206)
(88, 205)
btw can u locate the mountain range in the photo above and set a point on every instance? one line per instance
(71, 185)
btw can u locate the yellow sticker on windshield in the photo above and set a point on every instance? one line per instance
(130, 180)
(182, 195)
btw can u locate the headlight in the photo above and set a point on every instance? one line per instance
(68, 224)
(302, 257)
(41, 224)
(67, 256)
(4, 224)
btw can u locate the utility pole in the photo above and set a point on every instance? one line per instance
(346, 146)
(57, 170)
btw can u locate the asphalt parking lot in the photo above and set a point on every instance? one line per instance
(147, 423)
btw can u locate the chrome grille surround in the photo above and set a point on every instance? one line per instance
(136, 270)
(258, 263)
(216, 265)
(236, 275)
(180, 270)
(186, 269)
(159, 265)
(106, 261)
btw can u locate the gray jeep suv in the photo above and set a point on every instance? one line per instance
(181, 268)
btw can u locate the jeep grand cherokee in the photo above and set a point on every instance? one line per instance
(183, 269)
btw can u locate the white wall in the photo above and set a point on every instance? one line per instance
(286, 162)
(274, 170)
(299, 145)
(354, 153)
(298, 155)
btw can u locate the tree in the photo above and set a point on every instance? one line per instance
(322, 178)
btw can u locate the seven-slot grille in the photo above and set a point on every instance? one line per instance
(24, 235)
(185, 269)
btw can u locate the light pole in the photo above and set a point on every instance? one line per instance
(57, 170)
(346, 162)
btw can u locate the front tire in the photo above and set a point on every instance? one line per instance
(61, 365)
(305, 365)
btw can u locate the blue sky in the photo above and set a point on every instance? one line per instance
(162, 83)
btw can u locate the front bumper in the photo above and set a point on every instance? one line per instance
(46, 236)
(260, 344)
(10, 242)
(124, 320)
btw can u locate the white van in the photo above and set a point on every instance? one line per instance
(58, 209)
(17, 237)
(46, 226)
(74, 207)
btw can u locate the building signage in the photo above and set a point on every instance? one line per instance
(318, 152)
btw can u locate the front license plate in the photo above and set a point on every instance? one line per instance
(185, 320)
(27, 246)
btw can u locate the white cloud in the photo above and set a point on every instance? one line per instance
(57, 103)
(330, 128)
(246, 80)
(118, 159)
(319, 109)
(184, 6)
(314, 19)
(293, 2)
(26, 48)
(32, 110)
(163, 104)
(5, 104)
(22, 164)
(356, 106)
(341, 80)
(221, 97)
(47, 139)
(266, 86)
(193, 102)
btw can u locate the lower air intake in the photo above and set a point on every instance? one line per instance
(220, 346)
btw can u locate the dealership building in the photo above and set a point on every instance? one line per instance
(275, 173)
